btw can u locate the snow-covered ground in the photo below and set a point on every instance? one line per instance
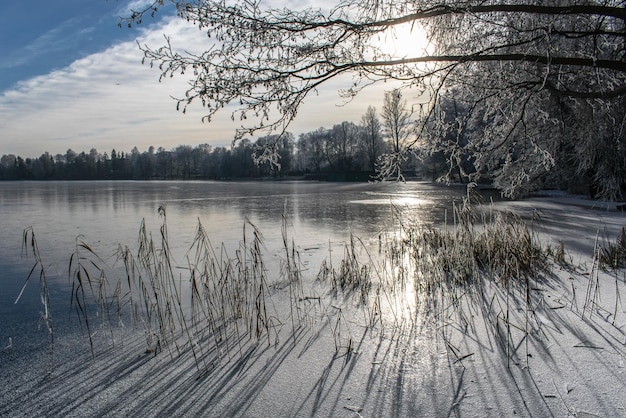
(564, 354)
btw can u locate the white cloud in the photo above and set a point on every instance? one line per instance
(104, 100)
(109, 100)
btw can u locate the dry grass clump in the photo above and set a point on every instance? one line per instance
(488, 262)
(612, 255)
(352, 276)
(29, 246)
(209, 307)
(498, 245)
(218, 301)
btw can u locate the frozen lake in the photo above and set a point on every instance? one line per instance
(321, 351)
(106, 214)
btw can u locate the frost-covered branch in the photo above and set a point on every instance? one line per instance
(263, 62)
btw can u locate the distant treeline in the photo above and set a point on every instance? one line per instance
(345, 152)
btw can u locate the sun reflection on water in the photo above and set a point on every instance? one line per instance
(394, 200)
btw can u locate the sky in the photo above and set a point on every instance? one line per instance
(71, 78)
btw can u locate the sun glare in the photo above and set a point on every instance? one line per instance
(402, 41)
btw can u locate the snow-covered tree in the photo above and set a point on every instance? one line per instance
(524, 69)
(397, 129)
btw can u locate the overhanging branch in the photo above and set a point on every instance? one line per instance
(540, 59)
(442, 10)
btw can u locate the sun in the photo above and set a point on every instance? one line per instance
(403, 41)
